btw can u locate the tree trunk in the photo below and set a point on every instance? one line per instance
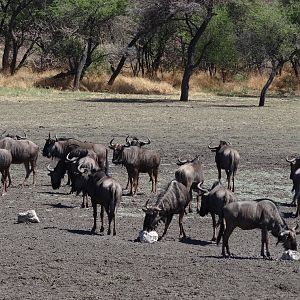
(80, 67)
(190, 63)
(268, 83)
(6, 54)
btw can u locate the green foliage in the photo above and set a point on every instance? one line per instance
(222, 50)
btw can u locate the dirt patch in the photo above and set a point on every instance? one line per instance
(58, 258)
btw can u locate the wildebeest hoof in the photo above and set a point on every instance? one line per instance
(102, 229)
(213, 239)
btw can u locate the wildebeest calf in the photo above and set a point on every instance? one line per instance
(262, 214)
(172, 201)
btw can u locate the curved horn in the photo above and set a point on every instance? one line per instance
(296, 227)
(49, 168)
(111, 144)
(181, 162)
(146, 205)
(2, 133)
(81, 170)
(127, 139)
(210, 147)
(71, 159)
(290, 160)
(201, 188)
(145, 143)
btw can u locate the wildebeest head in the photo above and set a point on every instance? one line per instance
(49, 146)
(288, 238)
(134, 141)
(295, 164)
(204, 209)
(13, 136)
(57, 174)
(152, 217)
(118, 151)
(217, 148)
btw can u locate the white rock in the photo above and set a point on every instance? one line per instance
(290, 255)
(28, 216)
(148, 237)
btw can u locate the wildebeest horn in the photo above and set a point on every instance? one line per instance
(50, 168)
(181, 162)
(201, 188)
(81, 170)
(146, 143)
(282, 233)
(2, 133)
(111, 144)
(210, 147)
(126, 140)
(146, 205)
(157, 208)
(290, 160)
(228, 143)
(296, 227)
(71, 159)
(56, 137)
(49, 137)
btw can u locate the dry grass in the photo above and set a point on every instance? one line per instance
(168, 84)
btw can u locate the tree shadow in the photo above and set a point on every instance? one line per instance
(130, 101)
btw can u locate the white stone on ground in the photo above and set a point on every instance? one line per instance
(28, 216)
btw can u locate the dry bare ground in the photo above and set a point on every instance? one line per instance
(59, 258)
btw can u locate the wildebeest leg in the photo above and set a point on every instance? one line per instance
(33, 170)
(181, 214)
(168, 221)
(9, 179)
(228, 230)
(219, 174)
(94, 203)
(28, 171)
(135, 182)
(198, 202)
(213, 217)
(228, 173)
(264, 240)
(233, 182)
(111, 217)
(3, 180)
(152, 181)
(298, 206)
(155, 174)
(101, 218)
(128, 182)
(190, 203)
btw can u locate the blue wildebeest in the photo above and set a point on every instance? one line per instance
(5, 162)
(105, 191)
(13, 136)
(190, 174)
(136, 160)
(77, 163)
(213, 201)
(172, 201)
(134, 141)
(22, 152)
(227, 159)
(295, 176)
(262, 214)
(59, 148)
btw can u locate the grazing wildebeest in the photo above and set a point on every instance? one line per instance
(22, 152)
(172, 201)
(5, 162)
(77, 163)
(136, 160)
(213, 202)
(190, 174)
(295, 176)
(227, 159)
(57, 174)
(262, 214)
(60, 148)
(105, 191)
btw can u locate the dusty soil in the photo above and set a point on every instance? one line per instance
(59, 258)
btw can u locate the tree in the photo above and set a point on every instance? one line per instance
(269, 38)
(75, 36)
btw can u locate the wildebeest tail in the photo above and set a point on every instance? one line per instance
(222, 227)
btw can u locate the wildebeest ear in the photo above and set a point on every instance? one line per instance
(144, 209)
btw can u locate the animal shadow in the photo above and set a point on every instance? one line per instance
(80, 231)
(191, 241)
(287, 215)
(59, 205)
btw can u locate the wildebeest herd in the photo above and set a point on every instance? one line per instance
(87, 167)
